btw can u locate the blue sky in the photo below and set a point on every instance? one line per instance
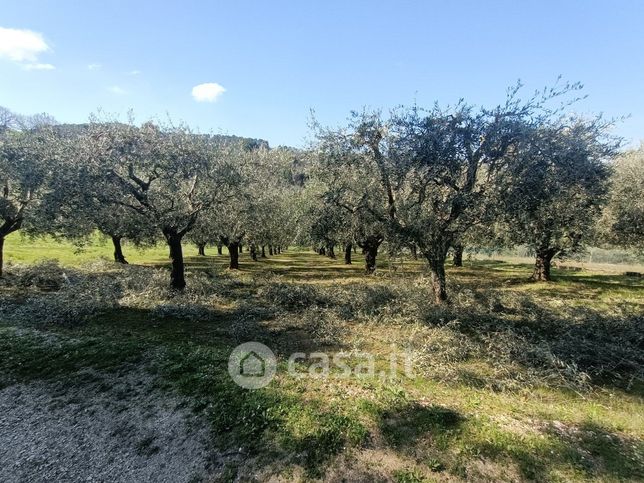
(277, 60)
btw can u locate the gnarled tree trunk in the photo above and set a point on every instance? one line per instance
(435, 256)
(330, 251)
(370, 250)
(219, 248)
(177, 274)
(233, 250)
(370, 255)
(439, 285)
(118, 250)
(263, 255)
(458, 254)
(347, 253)
(414, 251)
(202, 249)
(542, 264)
(253, 252)
(8, 227)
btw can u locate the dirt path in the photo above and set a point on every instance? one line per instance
(109, 428)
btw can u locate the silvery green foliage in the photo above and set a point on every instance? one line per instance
(429, 176)
(290, 297)
(347, 163)
(12, 121)
(228, 220)
(44, 275)
(273, 216)
(27, 161)
(443, 164)
(46, 293)
(53, 295)
(28, 158)
(259, 207)
(74, 205)
(165, 175)
(622, 223)
(556, 184)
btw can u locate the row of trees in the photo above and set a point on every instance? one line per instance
(420, 181)
(143, 183)
(521, 173)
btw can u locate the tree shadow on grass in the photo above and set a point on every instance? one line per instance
(405, 424)
(589, 448)
(192, 357)
(602, 281)
(612, 454)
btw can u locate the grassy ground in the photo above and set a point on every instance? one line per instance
(513, 381)
(20, 249)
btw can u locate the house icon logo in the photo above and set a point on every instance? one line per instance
(252, 365)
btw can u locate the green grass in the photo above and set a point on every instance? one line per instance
(471, 414)
(21, 249)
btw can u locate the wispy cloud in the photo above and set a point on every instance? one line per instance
(208, 92)
(94, 66)
(23, 46)
(134, 72)
(119, 91)
(38, 67)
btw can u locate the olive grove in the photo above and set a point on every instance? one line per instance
(424, 182)
(421, 177)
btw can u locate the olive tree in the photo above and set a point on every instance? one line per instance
(555, 188)
(417, 176)
(623, 221)
(259, 209)
(13, 121)
(326, 227)
(351, 164)
(166, 175)
(27, 160)
(74, 208)
(272, 214)
(234, 215)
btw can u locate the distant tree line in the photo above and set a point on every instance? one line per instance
(424, 182)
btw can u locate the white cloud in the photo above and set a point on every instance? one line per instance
(134, 72)
(94, 66)
(21, 45)
(119, 91)
(208, 92)
(38, 67)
